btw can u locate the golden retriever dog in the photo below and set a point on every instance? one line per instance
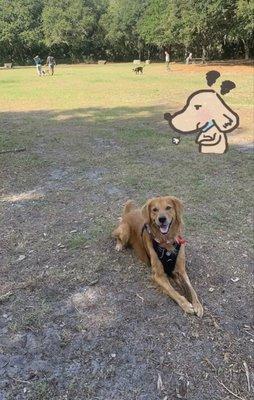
(154, 232)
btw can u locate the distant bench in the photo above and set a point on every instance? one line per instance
(102, 62)
(7, 65)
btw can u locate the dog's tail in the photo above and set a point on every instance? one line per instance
(129, 206)
(183, 286)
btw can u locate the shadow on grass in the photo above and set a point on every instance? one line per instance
(117, 333)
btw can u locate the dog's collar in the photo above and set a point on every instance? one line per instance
(208, 126)
(178, 239)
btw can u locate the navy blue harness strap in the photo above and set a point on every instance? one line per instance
(167, 257)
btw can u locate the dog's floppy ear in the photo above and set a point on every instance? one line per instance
(178, 205)
(146, 211)
(211, 77)
(225, 119)
(226, 86)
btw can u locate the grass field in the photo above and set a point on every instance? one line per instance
(78, 320)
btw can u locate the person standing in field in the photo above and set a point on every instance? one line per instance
(38, 63)
(167, 60)
(189, 58)
(51, 64)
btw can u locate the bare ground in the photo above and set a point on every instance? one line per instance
(80, 321)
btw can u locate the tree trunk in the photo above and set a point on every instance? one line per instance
(204, 54)
(246, 50)
(139, 49)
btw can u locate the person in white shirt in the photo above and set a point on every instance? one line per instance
(189, 58)
(167, 59)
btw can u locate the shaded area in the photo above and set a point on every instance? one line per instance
(82, 321)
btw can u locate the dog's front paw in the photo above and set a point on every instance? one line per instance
(119, 246)
(187, 307)
(198, 308)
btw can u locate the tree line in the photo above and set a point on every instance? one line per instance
(120, 30)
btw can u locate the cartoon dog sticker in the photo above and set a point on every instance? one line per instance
(207, 114)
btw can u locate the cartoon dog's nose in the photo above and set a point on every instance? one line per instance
(167, 116)
(162, 219)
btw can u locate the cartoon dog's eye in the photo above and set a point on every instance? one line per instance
(155, 209)
(197, 106)
(168, 208)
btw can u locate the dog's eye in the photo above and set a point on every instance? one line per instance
(155, 209)
(197, 106)
(168, 208)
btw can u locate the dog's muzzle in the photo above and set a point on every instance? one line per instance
(164, 227)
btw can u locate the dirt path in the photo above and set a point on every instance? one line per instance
(80, 321)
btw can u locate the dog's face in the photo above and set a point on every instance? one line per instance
(163, 212)
(203, 108)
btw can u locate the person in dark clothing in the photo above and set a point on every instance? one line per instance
(51, 64)
(38, 63)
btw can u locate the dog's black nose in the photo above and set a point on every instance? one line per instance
(167, 116)
(162, 220)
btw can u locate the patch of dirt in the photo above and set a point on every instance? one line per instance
(225, 67)
(80, 321)
(248, 148)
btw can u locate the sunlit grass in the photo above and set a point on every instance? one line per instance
(111, 86)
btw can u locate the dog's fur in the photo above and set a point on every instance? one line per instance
(130, 232)
(138, 70)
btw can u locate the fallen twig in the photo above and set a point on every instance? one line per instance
(215, 323)
(247, 374)
(251, 334)
(228, 390)
(210, 363)
(93, 282)
(13, 150)
(5, 296)
(160, 386)
(20, 380)
(140, 297)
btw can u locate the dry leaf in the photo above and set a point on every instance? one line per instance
(159, 383)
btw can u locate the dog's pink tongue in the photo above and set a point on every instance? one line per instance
(164, 229)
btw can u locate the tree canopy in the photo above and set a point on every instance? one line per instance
(80, 30)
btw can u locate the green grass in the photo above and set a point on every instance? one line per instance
(101, 129)
(76, 242)
(112, 86)
(41, 391)
(94, 137)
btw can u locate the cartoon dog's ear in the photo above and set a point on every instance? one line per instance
(146, 211)
(227, 121)
(211, 77)
(226, 86)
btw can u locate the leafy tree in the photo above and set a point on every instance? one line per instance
(161, 23)
(121, 26)
(20, 28)
(121, 29)
(206, 23)
(242, 25)
(200, 25)
(67, 24)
